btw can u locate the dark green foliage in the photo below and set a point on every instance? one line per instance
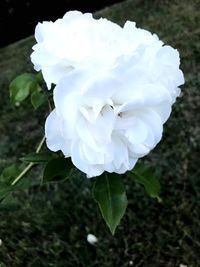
(47, 225)
(21, 87)
(57, 169)
(145, 175)
(25, 85)
(38, 98)
(110, 194)
(37, 157)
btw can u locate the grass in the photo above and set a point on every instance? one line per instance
(47, 225)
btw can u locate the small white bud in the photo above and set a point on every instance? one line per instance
(0, 242)
(130, 263)
(92, 239)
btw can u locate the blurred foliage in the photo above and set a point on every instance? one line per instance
(47, 225)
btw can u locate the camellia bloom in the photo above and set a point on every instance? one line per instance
(106, 119)
(114, 90)
(78, 40)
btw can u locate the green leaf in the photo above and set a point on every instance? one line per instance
(145, 175)
(110, 195)
(5, 189)
(9, 173)
(57, 169)
(38, 98)
(39, 77)
(9, 203)
(37, 157)
(21, 87)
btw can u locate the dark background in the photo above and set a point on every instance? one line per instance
(18, 18)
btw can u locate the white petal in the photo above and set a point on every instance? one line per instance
(138, 133)
(78, 160)
(53, 132)
(103, 127)
(85, 134)
(114, 90)
(154, 122)
(139, 150)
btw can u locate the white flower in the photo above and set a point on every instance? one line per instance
(114, 90)
(107, 118)
(91, 239)
(78, 40)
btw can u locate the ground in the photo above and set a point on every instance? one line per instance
(47, 225)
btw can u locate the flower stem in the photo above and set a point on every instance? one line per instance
(40, 144)
(30, 165)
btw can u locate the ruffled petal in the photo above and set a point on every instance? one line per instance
(53, 132)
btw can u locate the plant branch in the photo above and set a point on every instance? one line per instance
(30, 165)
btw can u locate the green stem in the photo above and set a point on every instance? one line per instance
(30, 165)
(40, 144)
